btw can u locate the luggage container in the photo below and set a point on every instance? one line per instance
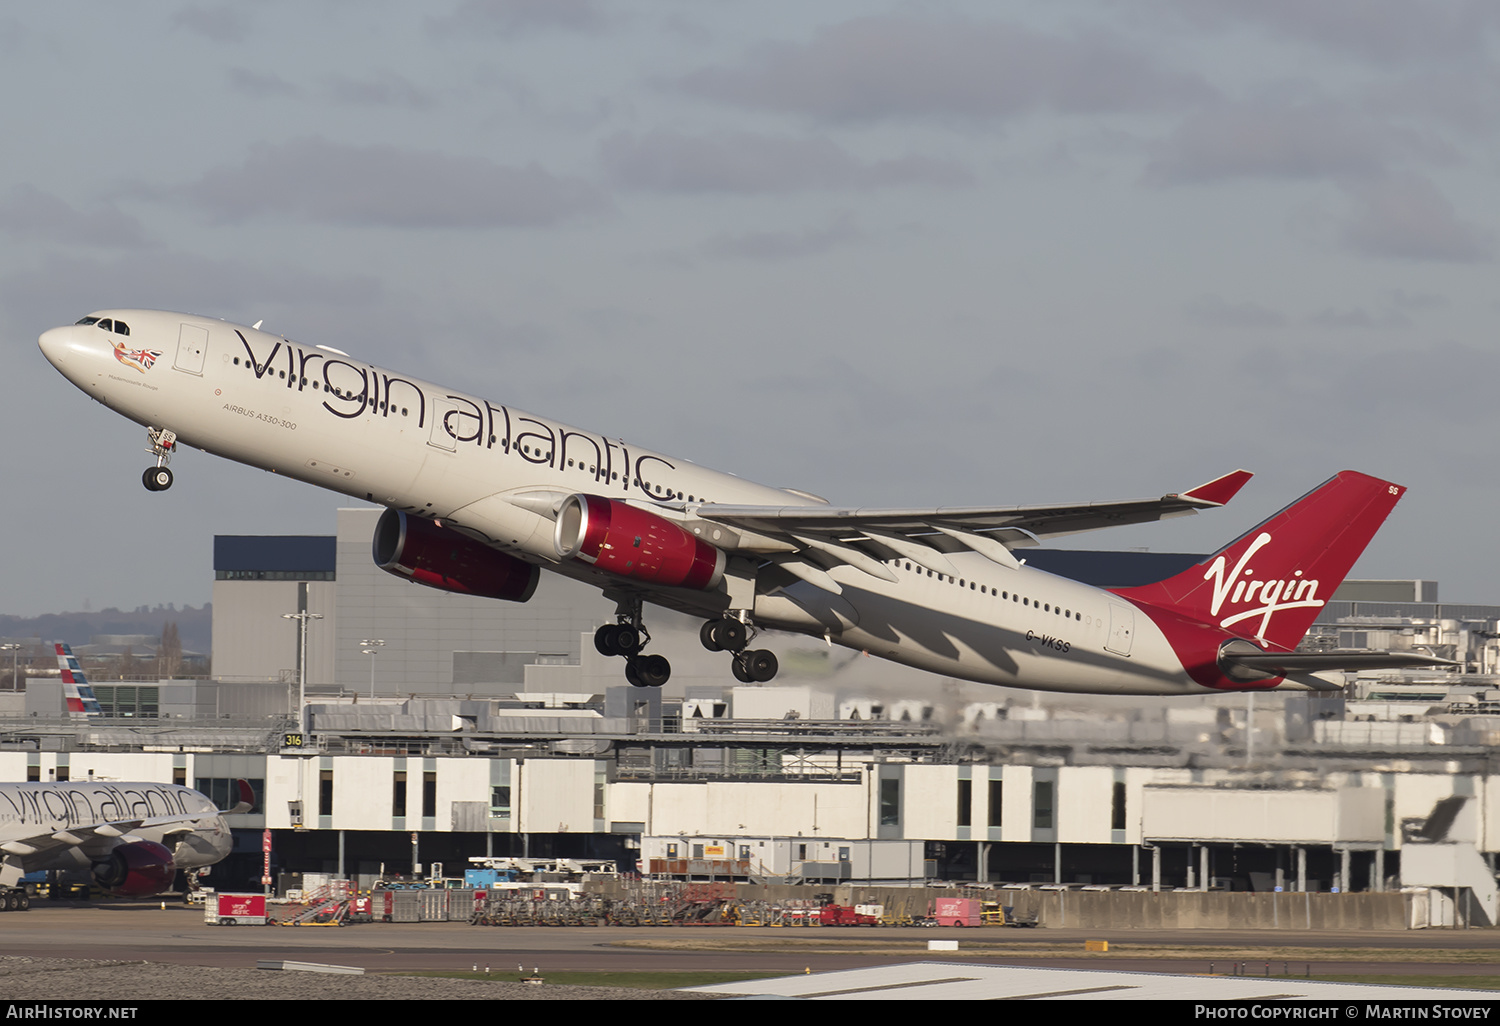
(235, 910)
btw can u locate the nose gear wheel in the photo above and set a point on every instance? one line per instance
(163, 445)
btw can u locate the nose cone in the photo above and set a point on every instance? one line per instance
(56, 345)
(223, 841)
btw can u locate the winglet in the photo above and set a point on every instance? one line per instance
(1220, 490)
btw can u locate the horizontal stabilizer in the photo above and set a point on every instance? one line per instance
(1279, 664)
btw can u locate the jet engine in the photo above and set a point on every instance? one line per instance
(440, 557)
(136, 869)
(626, 540)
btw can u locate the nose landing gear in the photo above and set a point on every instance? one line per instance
(163, 444)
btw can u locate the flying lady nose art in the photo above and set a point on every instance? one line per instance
(141, 359)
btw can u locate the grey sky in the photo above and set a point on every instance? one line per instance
(956, 252)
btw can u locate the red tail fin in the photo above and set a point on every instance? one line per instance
(1270, 582)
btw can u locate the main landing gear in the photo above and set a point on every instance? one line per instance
(627, 638)
(750, 666)
(163, 444)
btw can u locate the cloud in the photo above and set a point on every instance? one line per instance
(1405, 217)
(1215, 310)
(260, 85)
(314, 179)
(221, 24)
(783, 245)
(895, 67)
(748, 163)
(63, 287)
(520, 16)
(31, 213)
(383, 89)
(1359, 318)
(1380, 31)
(1259, 140)
(1416, 300)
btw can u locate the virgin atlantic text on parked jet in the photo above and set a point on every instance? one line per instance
(480, 497)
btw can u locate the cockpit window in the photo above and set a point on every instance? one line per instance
(87, 320)
(106, 324)
(121, 328)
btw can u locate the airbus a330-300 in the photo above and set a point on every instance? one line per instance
(129, 838)
(480, 497)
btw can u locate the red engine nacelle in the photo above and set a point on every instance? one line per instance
(442, 558)
(136, 870)
(631, 542)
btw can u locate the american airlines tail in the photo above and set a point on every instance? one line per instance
(1268, 584)
(80, 695)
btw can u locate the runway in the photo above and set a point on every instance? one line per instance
(178, 935)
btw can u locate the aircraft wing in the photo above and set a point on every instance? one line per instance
(44, 844)
(811, 539)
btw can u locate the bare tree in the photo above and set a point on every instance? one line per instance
(170, 653)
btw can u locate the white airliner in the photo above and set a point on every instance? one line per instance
(481, 495)
(131, 838)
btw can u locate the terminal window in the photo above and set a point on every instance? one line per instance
(890, 802)
(1041, 805)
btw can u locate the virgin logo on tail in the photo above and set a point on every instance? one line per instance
(1239, 587)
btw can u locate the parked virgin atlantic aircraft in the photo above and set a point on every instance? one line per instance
(131, 838)
(481, 496)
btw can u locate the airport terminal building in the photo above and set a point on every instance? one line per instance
(443, 727)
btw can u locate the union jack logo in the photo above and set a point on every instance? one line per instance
(141, 359)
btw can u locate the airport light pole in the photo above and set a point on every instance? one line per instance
(372, 649)
(303, 617)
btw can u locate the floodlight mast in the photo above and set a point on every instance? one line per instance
(302, 617)
(372, 649)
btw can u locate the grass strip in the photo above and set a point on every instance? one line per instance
(643, 980)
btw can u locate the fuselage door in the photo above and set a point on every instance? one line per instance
(1121, 629)
(444, 435)
(192, 347)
